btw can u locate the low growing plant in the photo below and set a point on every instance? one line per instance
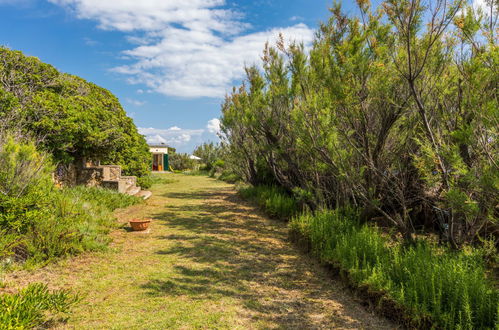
(39, 222)
(450, 287)
(34, 306)
(272, 199)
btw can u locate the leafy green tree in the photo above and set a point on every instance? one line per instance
(73, 119)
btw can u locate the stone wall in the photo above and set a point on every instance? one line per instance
(92, 174)
(65, 175)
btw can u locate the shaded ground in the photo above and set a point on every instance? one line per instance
(209, 261)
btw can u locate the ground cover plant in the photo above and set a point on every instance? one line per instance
(276, 202)
(40, 223)
(449, 287)
(34, 307)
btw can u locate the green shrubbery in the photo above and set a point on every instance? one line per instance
(39, 222)
(33, 307)
(181, 162)
(145, 182)
(449, 287)
(272, 199)
(386, 110)
(229, 177)
(72, 118)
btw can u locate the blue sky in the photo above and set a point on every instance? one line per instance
(170, 62)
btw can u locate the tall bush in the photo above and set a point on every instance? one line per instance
(72, 118)
(394, 110)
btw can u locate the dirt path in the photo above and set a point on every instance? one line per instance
(209, 261)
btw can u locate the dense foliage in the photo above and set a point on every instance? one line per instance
(182, 162)
(209, 153)
(272, 199)
(395, 111)
(72, 118)
(447, 288)
(34, 307)
(39, 222)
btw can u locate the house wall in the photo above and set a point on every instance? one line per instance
(158, 150)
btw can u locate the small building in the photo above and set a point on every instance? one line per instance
(160, 157)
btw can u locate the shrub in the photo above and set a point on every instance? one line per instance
(272, 199)
(449, 286)
(229, 177)
(181, 162)
(72, 117)
(34, 307)
(209, 153)
(145, 182)
(39, 222)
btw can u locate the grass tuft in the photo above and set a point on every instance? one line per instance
(34, 306)
(272, 199)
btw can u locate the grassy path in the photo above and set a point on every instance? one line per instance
(209, 261)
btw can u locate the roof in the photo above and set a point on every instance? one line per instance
(160, 145)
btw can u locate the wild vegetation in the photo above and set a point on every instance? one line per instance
(209, 153)
(181, 162)
(272, 199)
(34, 306)
(383, 113)
(48, 119)
(394, 114)
(39, 222)
(438, 287)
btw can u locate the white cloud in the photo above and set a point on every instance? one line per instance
(480, 4)
(193, 48)
(173, 136)
(137, 103)
(213, 126)
(477, 5)
(89, 41)
(296, 18)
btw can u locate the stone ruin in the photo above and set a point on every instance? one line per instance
(92, 174)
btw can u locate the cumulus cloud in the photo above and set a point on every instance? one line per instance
(194, 48)
(213, 126)
(174, 136)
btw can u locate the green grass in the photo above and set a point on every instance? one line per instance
(448, 286)
(272, 199)
(208, 262)
(34, 306)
